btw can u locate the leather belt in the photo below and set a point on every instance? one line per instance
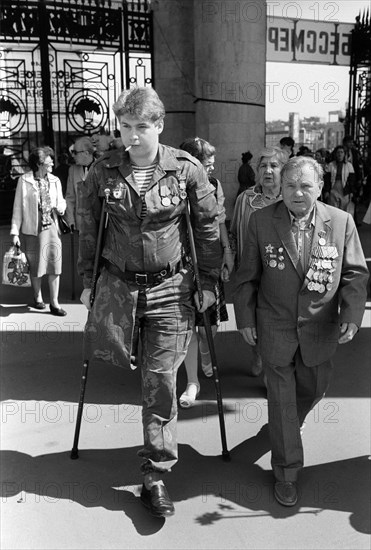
(142, 279)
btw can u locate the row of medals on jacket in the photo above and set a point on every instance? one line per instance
(172, 193)
(322, 266)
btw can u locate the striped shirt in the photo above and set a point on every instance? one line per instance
(143, 176)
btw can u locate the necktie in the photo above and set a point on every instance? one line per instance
(303, 236)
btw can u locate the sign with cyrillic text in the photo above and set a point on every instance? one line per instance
(305, 41)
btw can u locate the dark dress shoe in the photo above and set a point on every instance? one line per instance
(39, 305)
(57, 311)
(157, 501)
(286, 493)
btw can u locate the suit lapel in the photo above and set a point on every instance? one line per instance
(322, 223)
(282, 223)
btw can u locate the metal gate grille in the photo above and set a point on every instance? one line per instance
(62, 65)
(358, 122)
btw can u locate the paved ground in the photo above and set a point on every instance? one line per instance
(51, 501)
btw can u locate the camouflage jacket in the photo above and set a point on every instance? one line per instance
(159, 240)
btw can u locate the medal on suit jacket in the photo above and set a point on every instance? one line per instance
(164, 194)
(182, 187)
(322, 265)
(171, 194)
(274, 257)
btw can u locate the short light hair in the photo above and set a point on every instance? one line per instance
(141, 102)
(86, 144)
(38, 155)
(299, 162)
(281, 155)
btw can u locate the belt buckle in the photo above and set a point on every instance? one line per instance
(141, 279)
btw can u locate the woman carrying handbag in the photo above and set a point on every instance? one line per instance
(38, 202)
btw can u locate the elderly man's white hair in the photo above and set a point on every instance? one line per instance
(298, 162)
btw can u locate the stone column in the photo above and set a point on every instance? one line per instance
(230, 55)
(174, 67)
(209, 64)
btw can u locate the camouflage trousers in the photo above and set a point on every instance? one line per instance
(150, 327)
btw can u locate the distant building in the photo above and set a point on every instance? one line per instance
(313, 132)
(335, 130)
(311, 137)
(294, 126)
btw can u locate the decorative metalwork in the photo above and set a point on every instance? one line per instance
(20, 101)
(140, 70)
(79, 21)
(87, 112)
(12, 114)
(82, 22)
(358, 120)
(62, 65)
(139, 43)
(139, 31)
(70, 62)
(19, 19)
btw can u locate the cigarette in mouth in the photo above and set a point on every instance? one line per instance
(128, 147)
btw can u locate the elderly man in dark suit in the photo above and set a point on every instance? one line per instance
(300, 290)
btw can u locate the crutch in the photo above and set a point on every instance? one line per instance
(209, 336)
(102, 225)
(73, 291)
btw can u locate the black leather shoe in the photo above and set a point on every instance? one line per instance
(57, 311)
(39, 305)
(157, 501)
(286, 493)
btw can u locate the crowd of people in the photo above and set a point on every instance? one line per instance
(346, 182)
(43, 192)
(292, 255)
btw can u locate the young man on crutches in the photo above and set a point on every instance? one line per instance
(145, 291)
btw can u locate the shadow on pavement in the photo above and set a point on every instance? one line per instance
(33, 361)
(238, 489)
(10, 310)
(45, 365)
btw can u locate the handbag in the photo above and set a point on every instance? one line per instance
(16, 269)
(63, 224)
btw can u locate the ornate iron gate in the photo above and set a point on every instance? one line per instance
(358, 121)
(62, 65)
